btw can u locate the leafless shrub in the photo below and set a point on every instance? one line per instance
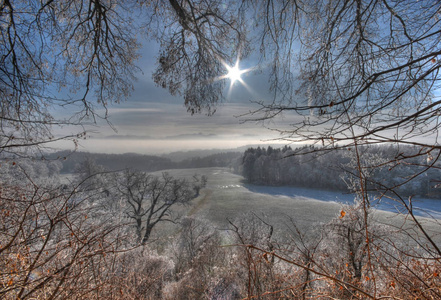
(50, 246)
(201, 263)
(139, 274)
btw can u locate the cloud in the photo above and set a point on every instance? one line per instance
(152, 120)
(160, 146)
(125, 110)
(173, 137)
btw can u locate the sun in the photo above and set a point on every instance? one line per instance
(234, 73)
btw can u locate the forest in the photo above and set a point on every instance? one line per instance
(149, 163)
(334, 170)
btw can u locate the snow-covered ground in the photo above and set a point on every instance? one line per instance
(421, 206)
(228, 198)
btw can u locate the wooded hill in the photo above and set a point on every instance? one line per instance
(384, 168)
(149, 163)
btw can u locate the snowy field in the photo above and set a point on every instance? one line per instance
(226, 197)
(424, 207)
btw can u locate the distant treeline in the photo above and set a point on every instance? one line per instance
(383, 166)
(148, 163)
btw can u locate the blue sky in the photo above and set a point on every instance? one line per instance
(152, 121)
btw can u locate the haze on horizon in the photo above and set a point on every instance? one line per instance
(152, 121)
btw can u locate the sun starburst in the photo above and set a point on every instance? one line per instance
(234, 73)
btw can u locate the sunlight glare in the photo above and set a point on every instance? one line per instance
(234, 73)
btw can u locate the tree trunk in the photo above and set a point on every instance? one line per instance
(139, 229)
(147, 233)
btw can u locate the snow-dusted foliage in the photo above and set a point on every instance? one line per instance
(385, 168)
(53, 242)
(66, 241)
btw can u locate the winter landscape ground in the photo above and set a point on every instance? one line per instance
(228, 197)
(349, 92)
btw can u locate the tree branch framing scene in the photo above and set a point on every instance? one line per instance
(208, 149)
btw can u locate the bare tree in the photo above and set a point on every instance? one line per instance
(304, 247)
(356, 73)
(51, 246)
(367, 67)
(252, 232)
(69, 53)
(77, 54)
(361, 70)
(199, 38)
(352, 73)
(199, 261)
(150, 199)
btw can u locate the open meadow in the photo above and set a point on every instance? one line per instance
(227, 197)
